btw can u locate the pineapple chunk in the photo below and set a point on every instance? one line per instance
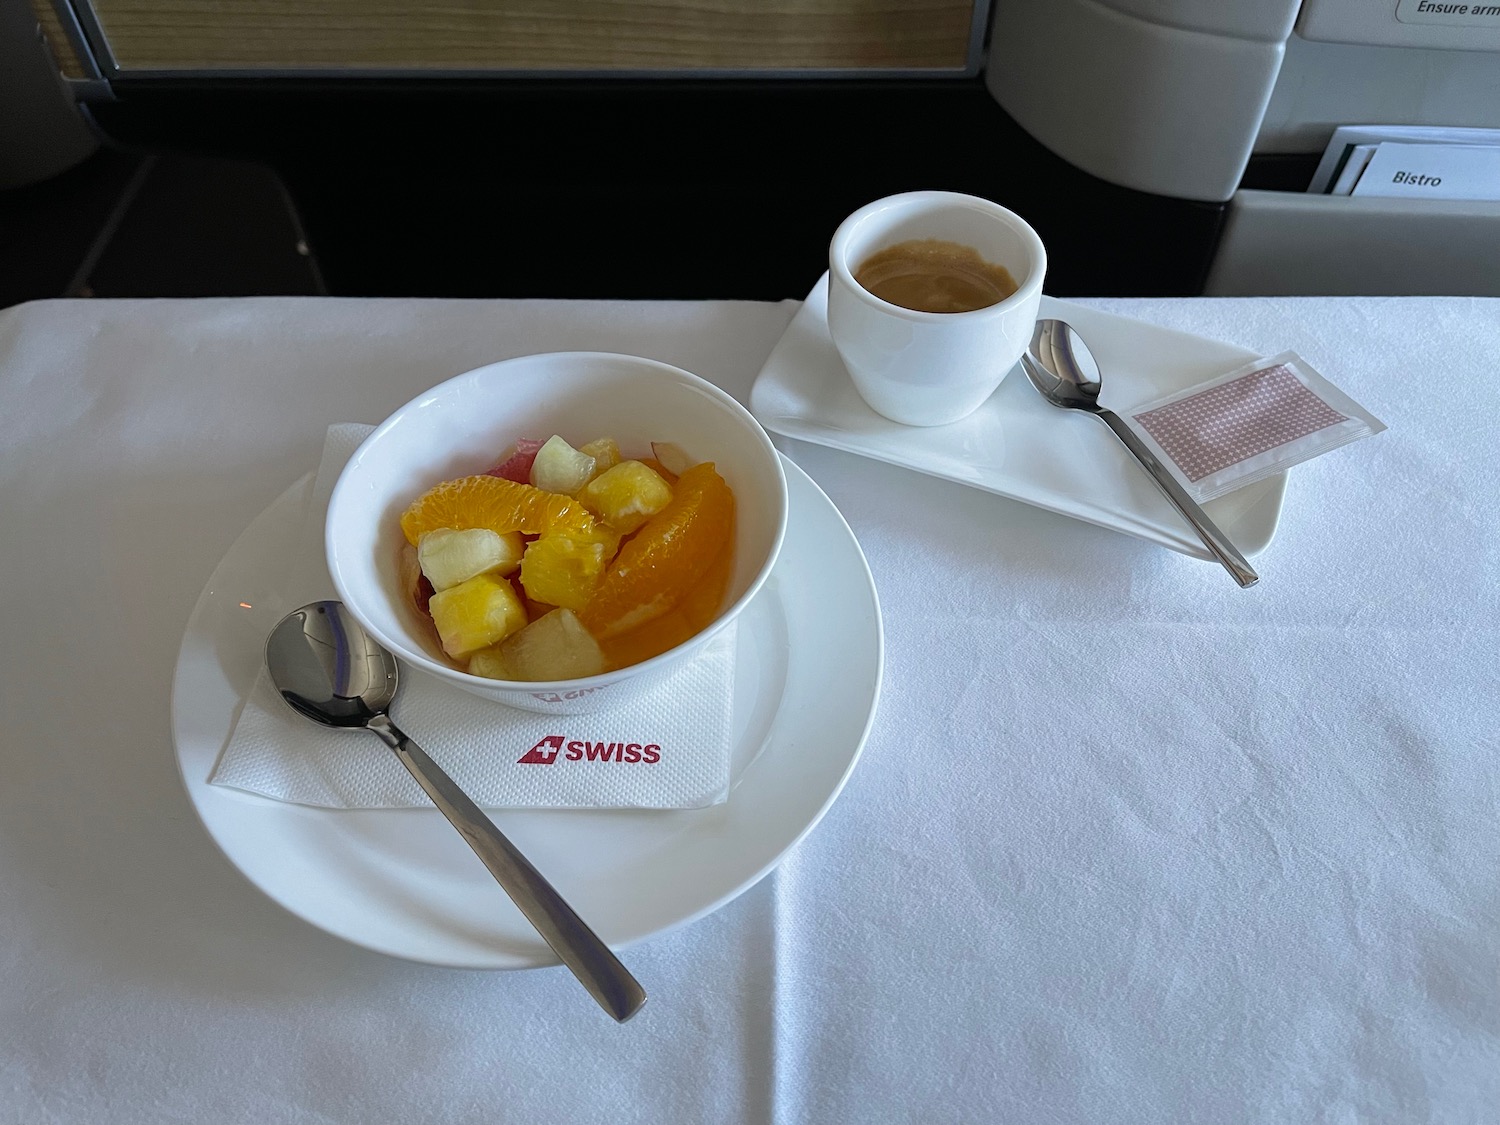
(561, 468)
(563, 570)
(604, 451)
(554, 647)
(476, 614)
(626, 496)
(449, 557)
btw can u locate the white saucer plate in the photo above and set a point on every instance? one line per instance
(402, 882)
(1017, 445)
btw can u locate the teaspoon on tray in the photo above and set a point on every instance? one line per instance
(331, 671)
(1061, 367)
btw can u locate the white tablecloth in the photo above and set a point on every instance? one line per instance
(1127, 844)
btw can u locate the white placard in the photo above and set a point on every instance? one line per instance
(1354, 168)
(1454, 15)
(1346, 137)
(1432, 172)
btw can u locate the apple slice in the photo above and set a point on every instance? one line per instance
(673, 457)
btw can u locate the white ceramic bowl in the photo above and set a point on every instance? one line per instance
(464, 426)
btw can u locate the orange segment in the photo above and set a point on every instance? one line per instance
(501, 505)
(668, 556)
(699, 606)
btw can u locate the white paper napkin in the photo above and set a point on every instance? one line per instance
(669, 749)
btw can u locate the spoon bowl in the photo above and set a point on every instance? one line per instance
(329, 670)
(1063, 370)
(1060, 365)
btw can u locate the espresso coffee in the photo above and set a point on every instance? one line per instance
(931, 275)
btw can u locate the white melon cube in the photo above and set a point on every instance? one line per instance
(555, 646)
(561, 468)
(490, 663)
(449, 557)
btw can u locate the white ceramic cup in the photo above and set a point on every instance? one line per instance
(926, 368)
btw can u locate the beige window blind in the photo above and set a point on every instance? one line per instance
(586, 36)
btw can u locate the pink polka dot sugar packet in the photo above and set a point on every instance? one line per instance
(1255, 421)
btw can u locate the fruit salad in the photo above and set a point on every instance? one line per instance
(564, 562)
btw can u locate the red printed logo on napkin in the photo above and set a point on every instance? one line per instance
(545, 752)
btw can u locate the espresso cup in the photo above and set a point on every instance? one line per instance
(924, 368)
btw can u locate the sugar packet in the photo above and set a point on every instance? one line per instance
(1249, 424)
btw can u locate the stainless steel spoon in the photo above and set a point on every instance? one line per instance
(329, 669)
(1060, 366)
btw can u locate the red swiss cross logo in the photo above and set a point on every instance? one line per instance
(544, 753)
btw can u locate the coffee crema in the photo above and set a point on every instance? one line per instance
(931, 275)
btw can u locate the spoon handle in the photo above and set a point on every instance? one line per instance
(580, 949)
(1215, 540)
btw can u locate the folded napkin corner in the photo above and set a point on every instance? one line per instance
(669, 749)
